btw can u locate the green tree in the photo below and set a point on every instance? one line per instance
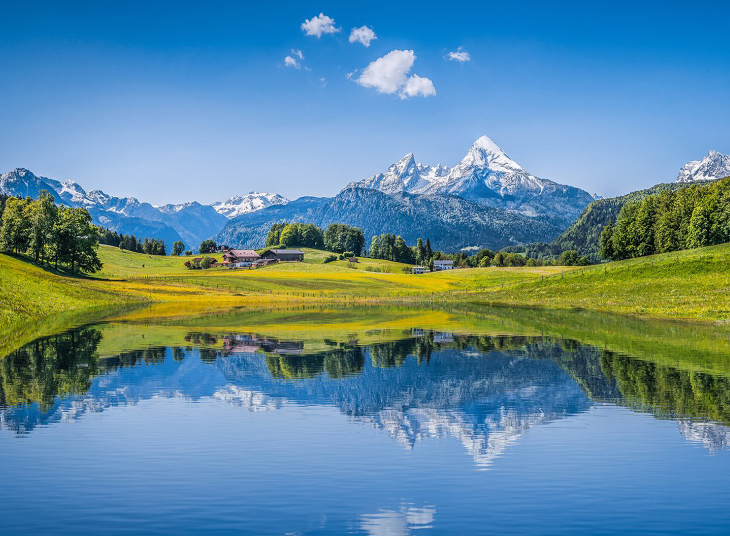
(374, 248)
(15, 232)
(207, 246)
(75, 240)
(274, 236)
(43, 214)
(607, 241)
(177, 248)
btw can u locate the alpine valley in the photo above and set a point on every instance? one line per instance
(486, 200)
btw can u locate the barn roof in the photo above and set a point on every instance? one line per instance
(285, 251)
(242, 253)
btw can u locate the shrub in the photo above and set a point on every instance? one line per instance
(329, 258)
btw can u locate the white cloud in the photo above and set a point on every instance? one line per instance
(389, 74)
(460, 55)
(323, 80)
(417, 86)
(292, 62)
(321, 24)
(363, 35)
(297, 53)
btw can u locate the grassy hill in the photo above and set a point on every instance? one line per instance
(692, 284)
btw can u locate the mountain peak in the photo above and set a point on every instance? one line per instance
(404, 164)
(713, 166)
(484, 152)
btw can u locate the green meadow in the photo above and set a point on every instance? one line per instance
(689, 285)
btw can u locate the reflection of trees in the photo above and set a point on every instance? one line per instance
(55, 366)
(338, 363)
(148, 356)
(670, 390)
(66, 364)
(345, 359)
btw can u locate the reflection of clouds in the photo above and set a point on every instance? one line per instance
(711, 435)
(251, 400)
(400, 522)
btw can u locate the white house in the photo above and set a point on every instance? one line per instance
(439, 266)
(419, 270)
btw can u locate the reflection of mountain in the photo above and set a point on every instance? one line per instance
(484, 391)
(485, 400)
(711, 435)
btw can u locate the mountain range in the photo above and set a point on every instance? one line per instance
(486, 200)
(489, 177)
(190, 222)
(451, 223)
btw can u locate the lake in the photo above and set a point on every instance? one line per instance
(368, 421)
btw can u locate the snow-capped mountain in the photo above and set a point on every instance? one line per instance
(190, 222)
(22, 183)
(714, 166)
(486, 175)
(251, 202)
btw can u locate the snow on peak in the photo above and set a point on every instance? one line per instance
(484, 152)
(251, 202)
(713, 166)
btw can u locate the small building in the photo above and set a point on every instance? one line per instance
(352, 260)
(240, 257)
(440, 266)
(283, 255)
(420, 270)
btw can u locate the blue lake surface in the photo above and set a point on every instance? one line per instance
(422, 432)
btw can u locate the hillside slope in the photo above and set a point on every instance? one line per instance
(692, 284)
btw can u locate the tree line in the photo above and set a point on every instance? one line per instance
(58, 235)
(149, 246)
(691, 217)
(338, 237)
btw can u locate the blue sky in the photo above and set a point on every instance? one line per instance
(181, 101)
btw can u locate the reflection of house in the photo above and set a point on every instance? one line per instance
(283, 255)
(443, 337)
(419, 270)
(439, 266)
(249, 344)
(240, 257)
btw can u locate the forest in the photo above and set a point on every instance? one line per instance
(687, 218)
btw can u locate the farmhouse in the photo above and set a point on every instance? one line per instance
(419, 270)
(439, 266)
(283, 255)
(240, 257)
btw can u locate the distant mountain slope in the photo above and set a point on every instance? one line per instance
(713, 166)
(190, 222)
(452, 223)
(488, 176)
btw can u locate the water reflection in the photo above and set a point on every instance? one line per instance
(486, 391)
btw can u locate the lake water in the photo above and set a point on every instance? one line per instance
(366, 421)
